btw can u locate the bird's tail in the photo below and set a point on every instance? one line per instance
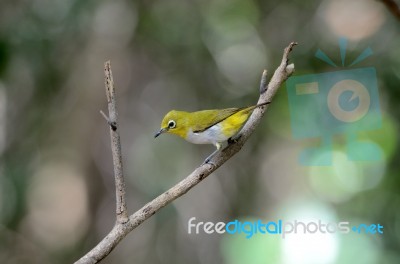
(262, 104)
(251, 108)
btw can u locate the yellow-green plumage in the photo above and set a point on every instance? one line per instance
(207, 126)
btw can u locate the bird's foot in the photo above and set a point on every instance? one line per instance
(234, 139)
(208, 161)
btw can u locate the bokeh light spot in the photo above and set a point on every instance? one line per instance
(355, 20)
(58, 205)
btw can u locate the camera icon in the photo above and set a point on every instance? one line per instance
(327, 104)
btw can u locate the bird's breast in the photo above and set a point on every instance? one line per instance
(211, 135)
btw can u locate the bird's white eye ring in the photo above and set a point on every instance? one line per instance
(171, 124)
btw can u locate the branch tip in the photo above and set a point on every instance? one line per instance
(105, 116)
(288, 49)
(263, 82)
(290, 69)
(107, 65)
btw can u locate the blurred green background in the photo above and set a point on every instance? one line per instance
(56, 183)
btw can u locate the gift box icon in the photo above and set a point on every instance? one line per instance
(340, 102)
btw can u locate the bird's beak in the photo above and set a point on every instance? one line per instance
(162, 130)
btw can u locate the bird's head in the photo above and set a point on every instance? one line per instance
(174, 122)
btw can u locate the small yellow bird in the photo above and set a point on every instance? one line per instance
(208, 126)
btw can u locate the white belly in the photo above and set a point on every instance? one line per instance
(212, 135)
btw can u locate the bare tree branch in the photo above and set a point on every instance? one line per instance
(393, 7)
(122, 228)
(121, 210)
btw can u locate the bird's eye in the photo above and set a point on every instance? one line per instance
(171, 124)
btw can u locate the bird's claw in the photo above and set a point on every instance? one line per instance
(233, 140)
(208, 161)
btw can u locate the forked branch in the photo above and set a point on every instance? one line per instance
(125, 225)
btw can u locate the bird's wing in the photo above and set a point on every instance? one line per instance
(213, 117)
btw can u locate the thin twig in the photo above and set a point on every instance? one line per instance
(113, 125)
(121, 210)
(121, 229)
